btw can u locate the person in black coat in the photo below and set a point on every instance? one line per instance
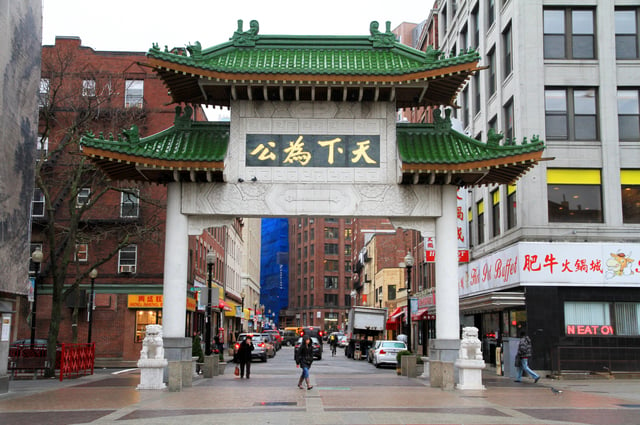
(304, 359)
(244, 356)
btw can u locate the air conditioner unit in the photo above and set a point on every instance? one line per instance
(127, 269)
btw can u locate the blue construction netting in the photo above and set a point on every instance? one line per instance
(274, 266)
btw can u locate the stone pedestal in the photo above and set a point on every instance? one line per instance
(425, 371)
(175, 376)
(211, 366)
(151, 372)
(470, 374)
(441, 374)
(187, 376)
(408, 365)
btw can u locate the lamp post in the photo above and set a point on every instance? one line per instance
(409, 261)
(242, 295)
(211, 258)
(92, 274)
(36, 257)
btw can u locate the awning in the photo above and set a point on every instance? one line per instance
(222, 305)
(397, 313)
(423, 314)
(493, 301)
(233, 309)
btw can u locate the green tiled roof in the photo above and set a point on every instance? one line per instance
(437, 148)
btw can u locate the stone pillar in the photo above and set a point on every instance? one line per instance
(176, 253)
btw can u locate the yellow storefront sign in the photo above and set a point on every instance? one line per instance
(153, 301)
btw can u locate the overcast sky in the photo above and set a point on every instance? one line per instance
(134, 25)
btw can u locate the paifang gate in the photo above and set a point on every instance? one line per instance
(312, 132)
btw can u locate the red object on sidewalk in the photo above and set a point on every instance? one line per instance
(77, 359)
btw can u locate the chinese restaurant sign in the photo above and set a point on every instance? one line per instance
(546, 264)
(153, 301)
(271, 150)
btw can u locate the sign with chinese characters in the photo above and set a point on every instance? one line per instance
(462, 234)
(144, 301)
(546, 264)
(304, 150)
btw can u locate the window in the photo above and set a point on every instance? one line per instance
(628, 115)
(602, 318)
(507, 51)
(347, 300)
(627, 33)
(311, 282)
(127, 259)
(574, 195)
(559, 43)
(491, 74)
(570, 114)
(42, 147)
(130, 203)
(476, 93)
(331, 300)
(88, 88)
(331, 232)
(493, 123)
(491, 12)
(37, 203)
(480, 209)
(331, 282)
(464, 38)
(82, 198)
(331, 249)
(508, 121)
(465, 107)
(391, 292)
(470, 227)
(304, 302)
(82, 252)
(347, 266)
(43, 97)
(495, 212)
(630, 185)
(331, 265)
(134, 93)
(331, 220)
(347, 234)
(347, 250)
(511, 207)
(475, 19)
(147, 317)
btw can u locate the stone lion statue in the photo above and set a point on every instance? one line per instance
(470, 348)
(152, 346)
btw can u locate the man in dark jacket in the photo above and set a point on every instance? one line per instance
(525, 351)
(244, 356)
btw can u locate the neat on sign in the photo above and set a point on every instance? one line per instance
(589, 330)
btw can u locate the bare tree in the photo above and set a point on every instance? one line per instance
(75, 192)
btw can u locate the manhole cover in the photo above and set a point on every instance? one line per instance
(276, 403)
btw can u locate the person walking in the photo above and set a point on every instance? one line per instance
(333, 342)
(244, 356)
(525, 351)
(304, 359)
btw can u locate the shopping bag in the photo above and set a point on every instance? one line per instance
(237, 371)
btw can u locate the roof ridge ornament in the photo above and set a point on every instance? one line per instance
(493, 138)
(441, 124)
(247, 38)
(381, 39)
(195, 50)
(183, 120)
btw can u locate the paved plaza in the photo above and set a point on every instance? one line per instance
(345, 392)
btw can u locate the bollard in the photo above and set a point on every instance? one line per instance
(210, 366)
(187, 375)
(175, 376)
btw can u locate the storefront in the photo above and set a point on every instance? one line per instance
(147, 309)
(579, 303)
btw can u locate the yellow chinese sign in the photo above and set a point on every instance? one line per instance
(269, 150)
(153, 301)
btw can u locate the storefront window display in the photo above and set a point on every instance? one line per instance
(144, 318)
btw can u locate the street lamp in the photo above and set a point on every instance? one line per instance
(242, 295)
(211, 258)
(408, 262)
(92, 274)
(36, 257)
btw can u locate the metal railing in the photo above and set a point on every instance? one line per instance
(595, 359)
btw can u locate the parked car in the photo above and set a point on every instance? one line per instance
(289, 337)
(371, 350)
(259, 346)
(277, 338)
(317, 347)
(385, 352)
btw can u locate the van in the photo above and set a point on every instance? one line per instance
(290, 336)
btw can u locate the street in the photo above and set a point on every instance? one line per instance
(345, 391)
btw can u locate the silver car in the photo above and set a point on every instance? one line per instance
(385, 352)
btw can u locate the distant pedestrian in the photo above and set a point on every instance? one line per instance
(525, 352)
(304, 359)
(244, 356)
(333, 342)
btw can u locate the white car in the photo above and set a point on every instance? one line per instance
(385, 352)
(343, 341)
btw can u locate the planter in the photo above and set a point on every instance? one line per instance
(221, 367)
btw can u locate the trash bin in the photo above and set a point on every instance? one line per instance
(509, 351)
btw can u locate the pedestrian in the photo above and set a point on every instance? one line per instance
(196, 350)
(333, 342)
(304, 359)
(244, 356)
(525, 351)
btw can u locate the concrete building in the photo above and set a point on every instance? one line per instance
(250, 286)
(20, 39)
(555, 254)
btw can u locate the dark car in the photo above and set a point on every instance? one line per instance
(317, 347)
(289, 338)
(277, 338)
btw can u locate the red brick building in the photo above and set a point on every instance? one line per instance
(83, 89)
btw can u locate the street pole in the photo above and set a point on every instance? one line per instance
(408, 261)
(36, 257)
(207, 335)
(93, 274)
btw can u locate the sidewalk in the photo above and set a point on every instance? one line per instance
(271, 397)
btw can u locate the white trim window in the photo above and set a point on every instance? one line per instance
(127, 259)
(130, 203)
(133, 93)
(82, 252)
(88, 88)
(83, 197)
(37, 203)
(42, 147)
(43, 96)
